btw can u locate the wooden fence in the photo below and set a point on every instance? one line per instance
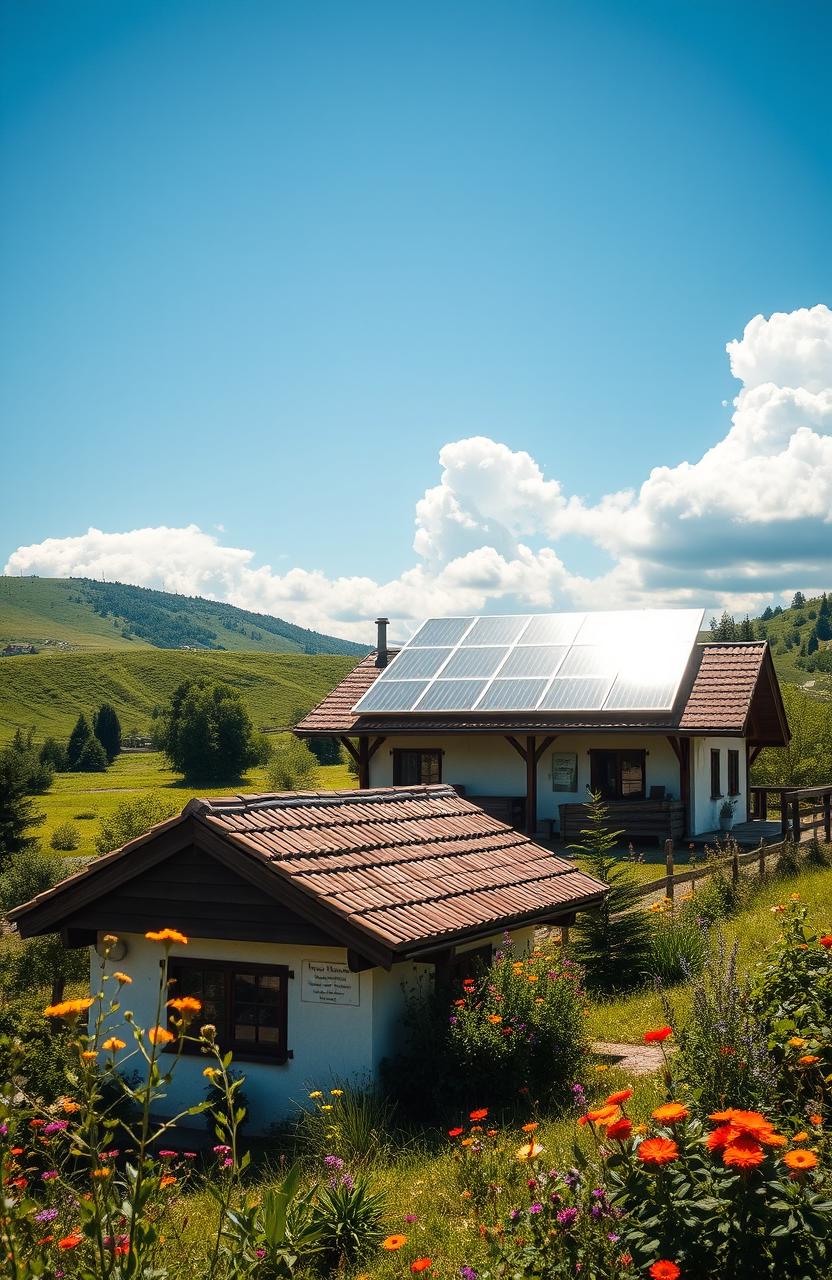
(735, 859)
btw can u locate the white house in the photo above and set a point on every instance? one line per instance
(308, 915)
(525, 713)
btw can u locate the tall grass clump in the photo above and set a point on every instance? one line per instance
(678, 942)
(356, 1123)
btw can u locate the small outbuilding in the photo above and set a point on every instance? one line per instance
(309, 916)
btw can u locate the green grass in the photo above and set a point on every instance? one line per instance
(141, 773)
(626, 1018)
(48, 692)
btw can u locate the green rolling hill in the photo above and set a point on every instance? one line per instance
(80, 615)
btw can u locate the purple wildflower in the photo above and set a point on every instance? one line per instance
(514, 1215)
(56, 1126)
(410, 1217)
(46, 1215)
(221, 1149)
(4, 1131)
(347, 1182)
(535, 1208)
(566, 1217)
(333, 1162)
(468, 1273)
(227, 1162)
(49, 1175)
(596, 1211)
(613, 1237)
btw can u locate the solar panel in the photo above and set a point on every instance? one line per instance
(561, 662)
(451, 695)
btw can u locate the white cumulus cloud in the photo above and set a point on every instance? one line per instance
(749, 519)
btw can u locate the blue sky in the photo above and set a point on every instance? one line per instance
(262, 261)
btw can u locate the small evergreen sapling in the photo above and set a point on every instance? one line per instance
(613, 941)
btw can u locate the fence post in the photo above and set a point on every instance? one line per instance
(784, 815)
(668, 859)
(762, 857)
(796, 820)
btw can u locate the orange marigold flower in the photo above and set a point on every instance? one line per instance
(459, 1004)
(817, 1121)
(801, 1137)
(392, 1243)
(529, 1150)
(671, 1113)
(89, 1055)
(796, 1042)
(166, 935)
(168, 1180)
(743, 1153)
(664, 1270)
(420, 1264)
(602, 1114)
(719, 1138)
(808, 1059)
(160, 1035)
(657, 1151)
(67, 1008)
(615, 1099)
(114, 1044)
(68, 1106)
(71, 1241)
(104, 1172)
(466, 1142)
(621, 1129)
(652, 1037)
(188, 1006)
(531, 1126)
(800, 1160)
(123, 978)
(479, 1114)
(494, 1018)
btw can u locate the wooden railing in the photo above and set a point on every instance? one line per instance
(734, 860)
(802, 810)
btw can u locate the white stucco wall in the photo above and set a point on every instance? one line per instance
(488, 765)
(705, 811)
(329, 1042)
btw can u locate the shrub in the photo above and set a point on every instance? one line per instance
(357, 1126)
(65, 837)
(348, 1217)
(678, 943)
(53, 755)
(612, 942)
(131, 819)
(292, 766)
(788, 859)
(27, 965)
(206, 732)
(86, 816)
(723, 1051)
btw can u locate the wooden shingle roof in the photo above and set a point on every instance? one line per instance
(399, 869)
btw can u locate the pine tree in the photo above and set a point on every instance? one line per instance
(746, 629)
(812, 642)
(767, 613)
(823, 626)
(17, 811)
(93, 757)
(799, 600)
(107, 730)
(612, 942)
(78, 739)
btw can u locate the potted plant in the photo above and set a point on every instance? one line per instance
(726, 814)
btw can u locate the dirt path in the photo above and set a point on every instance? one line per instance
(638, 1059)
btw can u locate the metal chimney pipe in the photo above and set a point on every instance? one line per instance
(381, 644)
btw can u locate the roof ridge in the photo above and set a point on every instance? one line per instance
(334, 799)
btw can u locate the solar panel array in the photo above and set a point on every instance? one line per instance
(556, 662)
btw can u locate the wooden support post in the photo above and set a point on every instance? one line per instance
(364, 763)
(668, 862)
(564, 934)
(827, 817)
(762, 858)
(531, 785)
(349, 748)
(784, 815)
(796, 820)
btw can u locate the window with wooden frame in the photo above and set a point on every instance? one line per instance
(618, 775)
(247, 1003)
(733, 773)
(415, 766)
(716, 775)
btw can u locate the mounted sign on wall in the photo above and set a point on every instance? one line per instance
(565, 771)
(329, 982)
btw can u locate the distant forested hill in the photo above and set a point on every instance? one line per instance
(81, 614)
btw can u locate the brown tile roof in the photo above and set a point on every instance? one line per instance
(724, 687)
(402, 867)
(333, 714)
(724, 681)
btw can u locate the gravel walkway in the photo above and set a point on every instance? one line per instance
(638, 1059)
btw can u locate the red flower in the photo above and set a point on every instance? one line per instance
(454, 1133)
(420, 1264)
(71, 1241)
(615, 1099)
(651, 1037)
(621, 1129)
(479, 1114)
(657, 1151)
(826, 940)
(665, 1270)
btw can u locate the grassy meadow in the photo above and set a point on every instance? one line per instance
(48, 691)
